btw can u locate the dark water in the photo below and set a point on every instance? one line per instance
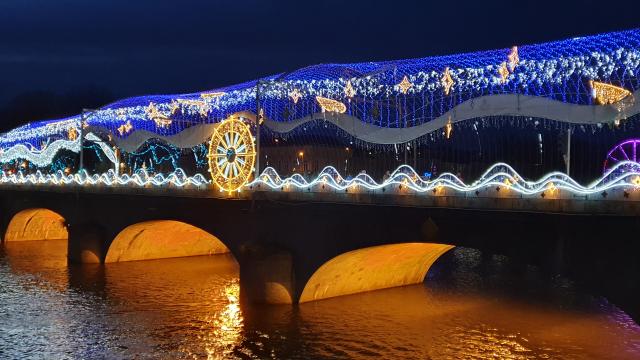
(471, 306)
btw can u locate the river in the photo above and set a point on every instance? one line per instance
(471, 305)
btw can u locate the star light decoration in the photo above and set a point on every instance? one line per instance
(503, 71)
(295, 95)
(72, 133)
(513, 59)
(348, 90)
(125, 128)
(331, 105)
(158, 117)
(446, 81)
(448, 128)
(405, 85)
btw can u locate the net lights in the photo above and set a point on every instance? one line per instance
(555, 70)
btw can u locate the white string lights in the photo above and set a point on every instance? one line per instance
(499, 175)
(624, 176)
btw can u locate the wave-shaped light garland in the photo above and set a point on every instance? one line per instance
(502, 176)
(625, 175)
(140, 178)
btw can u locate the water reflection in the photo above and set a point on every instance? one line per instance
(472, 306)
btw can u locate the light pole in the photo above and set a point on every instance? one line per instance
(258, 119)
(81, 140)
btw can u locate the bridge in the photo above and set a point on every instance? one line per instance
(342, 178)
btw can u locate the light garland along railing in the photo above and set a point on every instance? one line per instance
(625, 175)
(404, 180)
(140, 178)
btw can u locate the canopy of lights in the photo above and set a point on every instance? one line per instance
(584, 81)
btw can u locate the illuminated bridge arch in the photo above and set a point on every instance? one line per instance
(36, 224)
(159, 239)
(372, 268)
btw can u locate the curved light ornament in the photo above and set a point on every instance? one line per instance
(627, 152)
(231, 155)
(606, 94)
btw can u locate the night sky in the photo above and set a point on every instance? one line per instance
(75, 53)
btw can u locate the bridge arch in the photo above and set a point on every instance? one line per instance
(161, 239)
(372, 268)
(36, 224)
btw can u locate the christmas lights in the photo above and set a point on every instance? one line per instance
(498, 175)
(514, 59)
(125, 128)
(606, 94)
(231, 155)
(295, 95)
(503, 72)
(348, 90)
(556, 71)
(404, 178)
(331, 105)
(405, 85)
(448, 128)
(447, 81)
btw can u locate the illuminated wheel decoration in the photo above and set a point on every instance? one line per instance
(628, 150)
(231, 154)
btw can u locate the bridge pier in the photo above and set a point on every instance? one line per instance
(267, 275)
(86, 243)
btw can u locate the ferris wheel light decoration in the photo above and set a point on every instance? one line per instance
(231, 155)
(628, 150)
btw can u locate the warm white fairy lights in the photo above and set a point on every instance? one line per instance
(212, 95)
(125, 128)
(503, 72)
(447, 81)
(448, 128)
(348, 90)
(513, 59)
(606, 94)
(331, 105)
(404, 85)
(295, 95)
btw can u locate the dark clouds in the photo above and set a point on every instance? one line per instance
(158, 46)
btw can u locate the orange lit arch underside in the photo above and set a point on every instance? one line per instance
(36, 224)
(372, 268)
(162, 239)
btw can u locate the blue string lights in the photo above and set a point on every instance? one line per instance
(401, 93)
(376, 103)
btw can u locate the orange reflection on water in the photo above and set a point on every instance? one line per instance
(222, 332)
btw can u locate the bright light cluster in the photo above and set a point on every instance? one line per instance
(500, 176)
(45, 156)
(37, 157)
(140, 178)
